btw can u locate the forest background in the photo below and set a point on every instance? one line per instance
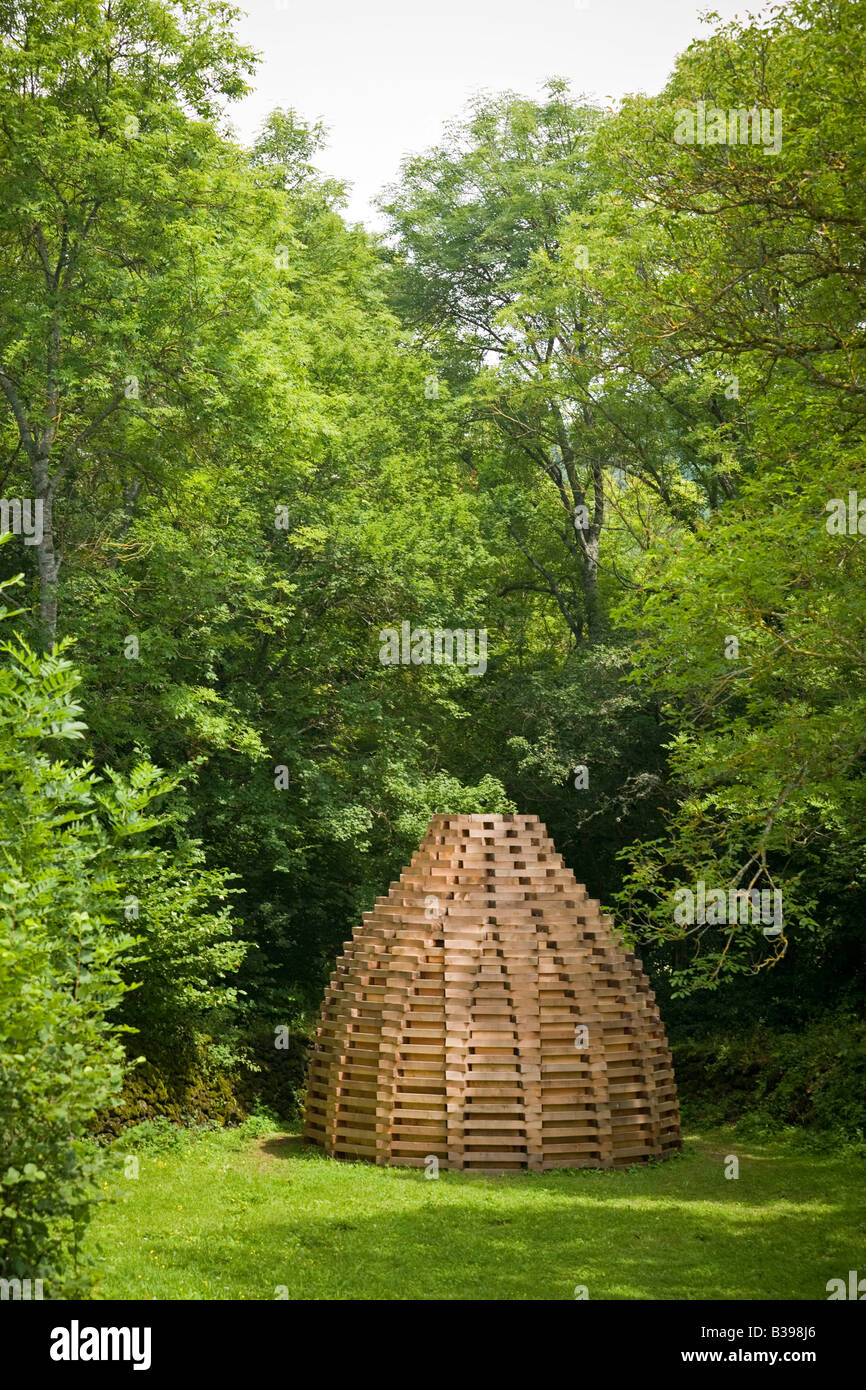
(594, 392)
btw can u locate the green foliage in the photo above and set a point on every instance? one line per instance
(765, 748)
(765, 1081)
(63, 836)
(276, 1081)
(592, 395)
(186, 953)
(72, 845)
(158, 1136)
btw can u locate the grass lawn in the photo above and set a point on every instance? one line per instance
(235, 1215)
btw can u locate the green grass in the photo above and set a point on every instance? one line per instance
(234, 1215)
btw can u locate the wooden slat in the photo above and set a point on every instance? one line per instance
(453, 1035)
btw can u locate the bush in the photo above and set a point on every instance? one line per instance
(61, 958)
(153, 1136)
(69, 843)
(182, 1001)
(814, 1079)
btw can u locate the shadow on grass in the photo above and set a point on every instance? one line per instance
(472, 1256)
(289, 1146)
(667, 1231)
(697, 1174)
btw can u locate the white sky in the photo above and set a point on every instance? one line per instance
(385, 75)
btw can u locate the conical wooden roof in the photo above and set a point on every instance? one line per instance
(486, 1014)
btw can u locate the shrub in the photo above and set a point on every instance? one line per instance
(814, 1079)
(71, 844)
(61, 957)
(182, 1001)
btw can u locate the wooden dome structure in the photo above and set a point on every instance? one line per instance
(486, 1014)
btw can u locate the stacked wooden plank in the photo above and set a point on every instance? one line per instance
(486, 1015)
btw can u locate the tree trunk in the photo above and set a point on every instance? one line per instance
(591, 598)
(47, 558)
(589, 539)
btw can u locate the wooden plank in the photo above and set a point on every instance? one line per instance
(456, 1036)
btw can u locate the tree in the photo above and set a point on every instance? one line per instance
(506, 243)
(752, 622)
(115, 281)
